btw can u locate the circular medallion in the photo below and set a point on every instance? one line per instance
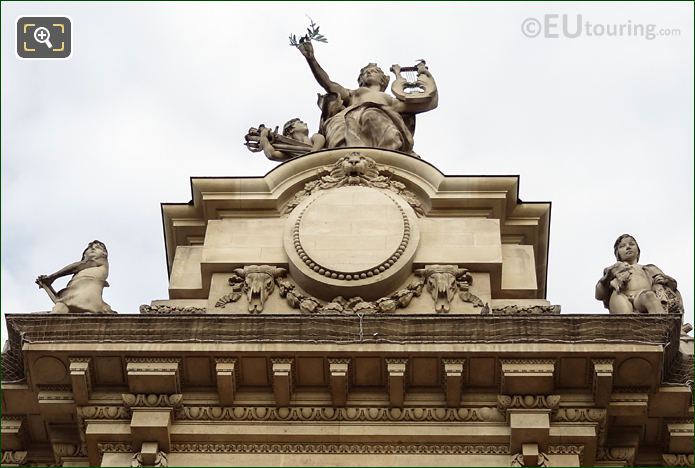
(351, 236)
(351, 233)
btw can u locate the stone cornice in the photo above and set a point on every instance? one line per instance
(126, 328)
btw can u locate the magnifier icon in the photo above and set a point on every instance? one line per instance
(43, 36)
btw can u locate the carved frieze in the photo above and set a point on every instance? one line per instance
(678, 459)
(580, 415)
(152, 400)
(114, 447)
(371, 414)
(438, 449)
(14, 458)
(505, 402)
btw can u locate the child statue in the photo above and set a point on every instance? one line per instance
(627, 287)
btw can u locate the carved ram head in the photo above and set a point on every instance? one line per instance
(442, 283)
(259, 282)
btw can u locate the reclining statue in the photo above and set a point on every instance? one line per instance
(83, 292)
(627, 287)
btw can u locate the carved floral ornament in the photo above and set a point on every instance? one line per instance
(355, 169)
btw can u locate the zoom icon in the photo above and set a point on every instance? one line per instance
(44, 37)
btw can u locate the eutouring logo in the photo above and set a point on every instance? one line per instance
(555, 26)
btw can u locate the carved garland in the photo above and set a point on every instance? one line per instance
(526, 310)
(349, 276)
(253, 413)
(170, 310)
(308, 304)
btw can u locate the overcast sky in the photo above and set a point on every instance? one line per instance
(600, 125)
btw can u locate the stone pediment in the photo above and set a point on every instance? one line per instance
(406, 215)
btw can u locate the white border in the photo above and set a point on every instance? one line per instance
(72, 38)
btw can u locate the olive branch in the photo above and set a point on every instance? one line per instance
(312, 34)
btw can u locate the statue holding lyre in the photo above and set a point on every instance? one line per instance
(370, 116)
(294, 140)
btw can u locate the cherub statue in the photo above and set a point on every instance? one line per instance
(627, 287)
(83, 292)
(293, 142)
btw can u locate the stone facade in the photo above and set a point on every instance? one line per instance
(353, 307)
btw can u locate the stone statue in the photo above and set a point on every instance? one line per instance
(367, 116)
(293, 142)
(627, 287)
(83, 292)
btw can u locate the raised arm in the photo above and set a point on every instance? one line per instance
(70, 270)
(319, 73)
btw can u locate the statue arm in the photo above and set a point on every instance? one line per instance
(317, 142)
(269, 150)
(603, 287)
(320, 74)
(659, 277)
(70, 270)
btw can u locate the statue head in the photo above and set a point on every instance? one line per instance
(626, 241)
(372, 74)
(294, 125)
(95, 249)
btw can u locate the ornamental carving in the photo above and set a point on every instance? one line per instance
(518, 460)
(526, 310)
(355, 169)
(505, 402)
(61, 450)
(256, 281)
(152, 400)
(160, 459)
(386, 449)
(373, 414)
(444, 281)
(678, 459)
(356, 305)
(625, 455)
(170, 310)
(114, 447)
(14, 457)
(567, 450)
(103, 412)
(596, 415)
